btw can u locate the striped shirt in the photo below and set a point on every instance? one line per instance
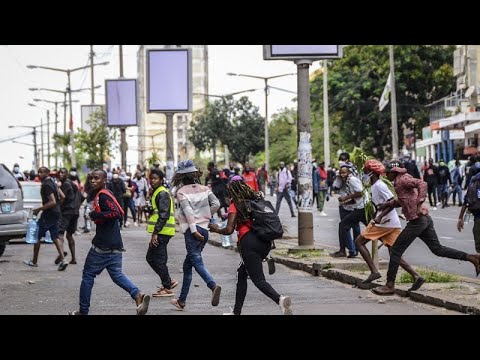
(197, 205)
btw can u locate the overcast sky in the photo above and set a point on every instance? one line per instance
(16, 79)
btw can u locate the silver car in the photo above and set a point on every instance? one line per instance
(13, 218)
(32, 198)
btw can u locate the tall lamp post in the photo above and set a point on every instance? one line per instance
(68, 72)
(34, 133)
(56, 127)
(265, 79)
(64, 92)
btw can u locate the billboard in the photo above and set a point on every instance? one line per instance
(297, 52)
(169, 80)
(121, 102)
(87, 110)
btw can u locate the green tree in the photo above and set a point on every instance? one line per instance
(208, 125)
(423, 74)
(97, 144)
(61, 148)
(245, 134)
(283, 137)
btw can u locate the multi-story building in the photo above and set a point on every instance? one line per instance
(455, 120)
(152, 126)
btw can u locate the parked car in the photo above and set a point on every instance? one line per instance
(13, 217)
(32, 198)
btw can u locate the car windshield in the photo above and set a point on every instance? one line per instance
(7, 180)
(31, 193)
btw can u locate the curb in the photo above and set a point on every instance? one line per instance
(327, 270)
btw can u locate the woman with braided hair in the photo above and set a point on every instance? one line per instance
(252, 250)
(385, 226)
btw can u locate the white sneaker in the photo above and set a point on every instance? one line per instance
(135, 223)
(127, 224)
(229, 313)
(434, 208)
(323, 213)
(285, 303)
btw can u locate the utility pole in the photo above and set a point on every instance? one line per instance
(326, 126)
(56, 133)
(35, 154)
(393, 105)
(267, 144)
(304, 186)
(41, 141)
(92, 54)
(48, 138)
(123, 137)
(169, 167)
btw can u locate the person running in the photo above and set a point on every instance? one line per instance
(385, 226)
(49, 220)
(197, 206)
(161, 225)
(107, 248)
(252, 250)
(284, 182)
(69, 217)
(411, 195)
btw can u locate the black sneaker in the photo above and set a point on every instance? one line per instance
(338, 254)
(216, 295)
(63, 265)
(271, 265)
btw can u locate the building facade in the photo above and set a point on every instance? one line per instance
(152, 126)
(455, 120)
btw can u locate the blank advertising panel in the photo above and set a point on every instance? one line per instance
(169, 80)
(121, 102)
(88, 110)
(297, 52)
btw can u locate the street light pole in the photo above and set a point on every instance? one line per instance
(393, 105)
(265, 79)
(304, 185)
(326, 123)
(69, 89)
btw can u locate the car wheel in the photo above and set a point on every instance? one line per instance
(2, 247)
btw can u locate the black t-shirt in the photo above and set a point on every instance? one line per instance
(51, 215)
(68, 206)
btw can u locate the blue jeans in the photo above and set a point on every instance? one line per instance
(194, 260)
(94, 265)
(346, 240)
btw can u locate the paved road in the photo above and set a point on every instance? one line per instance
(45, 290)
(445, 220)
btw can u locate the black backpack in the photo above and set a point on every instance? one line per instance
(265, 222)
(473, 195)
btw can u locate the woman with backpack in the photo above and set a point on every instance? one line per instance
(252, 250)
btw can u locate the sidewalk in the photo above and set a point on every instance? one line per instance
(462, 295)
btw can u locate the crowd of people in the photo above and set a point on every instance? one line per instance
(191, 202)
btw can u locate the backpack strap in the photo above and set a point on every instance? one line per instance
(109, 194)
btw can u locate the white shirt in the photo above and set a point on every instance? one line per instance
(381, 194)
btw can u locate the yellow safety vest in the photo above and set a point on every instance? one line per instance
(169, 227)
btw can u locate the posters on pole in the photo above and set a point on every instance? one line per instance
(305, 186)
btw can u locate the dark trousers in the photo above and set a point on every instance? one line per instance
(128, 203)
(422, 228)
(157, 258)
(252, 252)
(432, 189)
(286, 195)
(349, 220)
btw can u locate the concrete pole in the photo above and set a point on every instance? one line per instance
(393, 95)
(123, 136)
(169, 139)
(48, 138)
(56, 133)
(267, 145)
(326, 126)
(72, 142)
(304, 186)
(35, 153)
(41, 143)
(92, 79)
